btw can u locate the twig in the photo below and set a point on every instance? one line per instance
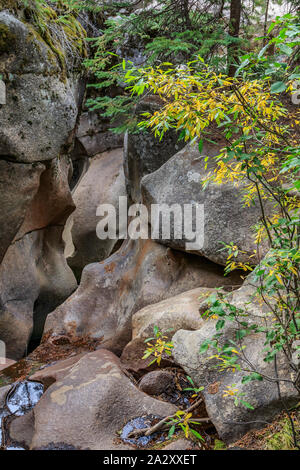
(160, 424)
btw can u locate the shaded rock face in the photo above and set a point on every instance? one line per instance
(42, 106)
(39, 282)
(139, 274)
(18, 185)
(225, 219)
(234, 421)
(34, 275)
(103, 183)
(156, 382)
(93, 136)
(87, 407)
(36, 132)
(144, 153)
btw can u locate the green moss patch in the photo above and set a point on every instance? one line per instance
(7, 39)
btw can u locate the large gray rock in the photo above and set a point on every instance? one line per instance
(42, 102)
(37, 128)
(87, 407)
(139, 274)
(233, 421)
(103, 183)
(225, 219)
(144, 153)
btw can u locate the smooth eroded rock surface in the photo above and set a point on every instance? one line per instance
(139, 274)
(103, 183)
(171, 315)
(89, 406)
(18, 185)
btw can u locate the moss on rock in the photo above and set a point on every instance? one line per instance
(7, 38)
(11, 5)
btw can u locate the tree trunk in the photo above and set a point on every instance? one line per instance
(234, 30)
(186, 13)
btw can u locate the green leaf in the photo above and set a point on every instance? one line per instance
(253, 376)
(148, 339)
(240, 334)
(197, 434)
(190, 379)
(278, 87)
(247, 405)
(200, 145)
(147, 354)
(156, 330)
(286, 49)
(220, 324)
(171, 431)
(272, 26)
(262, 51)
(204, 347)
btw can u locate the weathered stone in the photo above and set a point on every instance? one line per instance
(102, 184)
(21, 430)
(40, 282)
(175, 313)
(233, 421)
(144, 153)
(156, 382)
(34, 275)
(42, 104)
(37, 126)
(53, 373)
(18, 185)
(90, 405)
(225, 219)
(52, 203)
(139, 274)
